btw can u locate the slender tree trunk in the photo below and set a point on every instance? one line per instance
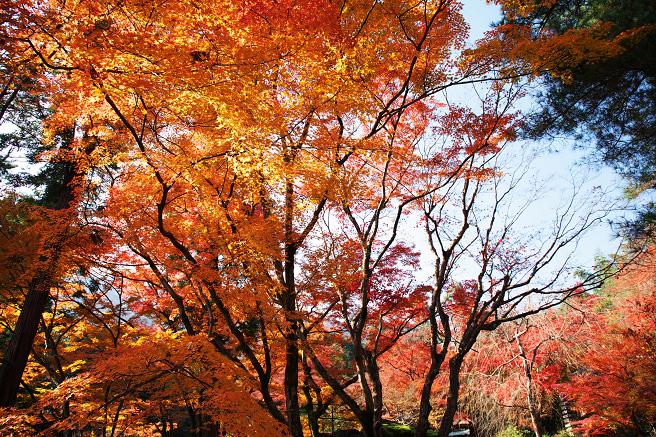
(535, 421)
(314, 411)
(533, 409)
(368, 417)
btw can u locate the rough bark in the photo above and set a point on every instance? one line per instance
(22, 338)
(446, 422)
(291, 387)
(20, 344)
(291, 348)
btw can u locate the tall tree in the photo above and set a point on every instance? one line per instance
(227, 138)
(24, 107)
(607, 101)
(509, 274)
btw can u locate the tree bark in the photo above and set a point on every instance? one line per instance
(310, 387)
(446, 422)
(291, 347)
(377, 392)
(535, 421)
(437, 358)
(291, 387)
(425, 406)
(533, 408)
(20, 344)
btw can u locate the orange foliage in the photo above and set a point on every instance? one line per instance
(216, 140)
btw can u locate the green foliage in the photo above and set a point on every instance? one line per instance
(22, 133)
(607, 103)
(513, 431)
(22, 144)
(400, 430)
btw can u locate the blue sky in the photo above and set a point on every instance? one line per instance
(479, 14)
(558, 165)
(564, 159)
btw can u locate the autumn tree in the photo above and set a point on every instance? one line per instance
(26, 102)
(517, 275)
(605, 102)
(518, 368)
(212, 145)
(278, 110)
(610, 385)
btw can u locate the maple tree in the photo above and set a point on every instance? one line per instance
(593, 354)
(519, 367)
(510, 274)
(611, 387)
(236, 178)
(53, 229)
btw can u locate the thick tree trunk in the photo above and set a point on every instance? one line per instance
(377, 394)
(291, 347)
(446, 422)
(425, 406)
(291, 386)
(288, 300)
(437, 359)
(367, 423)
(20, 344)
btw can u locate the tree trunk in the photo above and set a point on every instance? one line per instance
(437, 359)
(535, 421)
(425, 406)
(313, 418)
(367, 419)
(533, 409)
(314, 412)
(291, 385)
(291, 345)
(367, 422)
(533, 406)
(377, 393)
(288, 300)
(452, 397)
(20, 344)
